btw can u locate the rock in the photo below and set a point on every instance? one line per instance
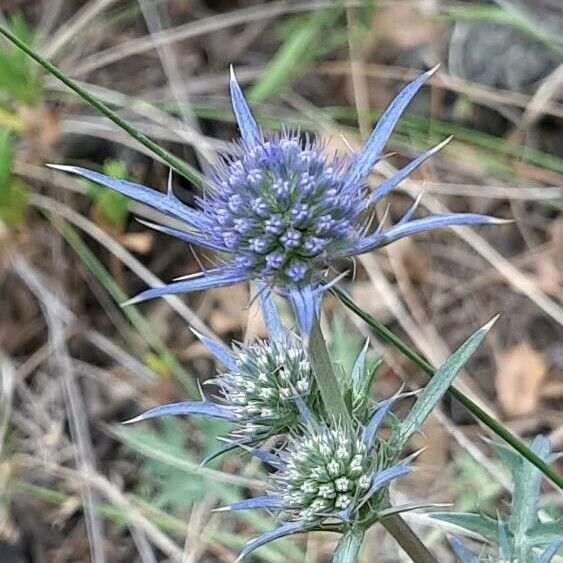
(498, 56)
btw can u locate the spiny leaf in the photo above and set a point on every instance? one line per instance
(441, 381)
(526, 494)
(545, 532)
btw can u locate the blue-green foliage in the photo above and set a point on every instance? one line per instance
(521, 537)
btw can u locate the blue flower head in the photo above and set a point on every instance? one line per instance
(278, 209)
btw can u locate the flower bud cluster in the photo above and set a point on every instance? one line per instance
(325, 471)
(282, 208)
(262, 392)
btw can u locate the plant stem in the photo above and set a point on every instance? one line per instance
(176, 164)
(407, 539)
(349, 546)
(325, 376)
(387, 336)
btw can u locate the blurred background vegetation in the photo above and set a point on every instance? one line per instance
(77, 486)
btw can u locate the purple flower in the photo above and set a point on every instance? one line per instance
(280, 210)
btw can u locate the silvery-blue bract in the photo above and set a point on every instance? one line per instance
(280, 210)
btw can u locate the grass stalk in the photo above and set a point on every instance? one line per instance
(175, 163)
(499, 429)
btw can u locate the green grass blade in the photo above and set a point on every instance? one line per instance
(175, 163)
(499, 429)
(294, 56)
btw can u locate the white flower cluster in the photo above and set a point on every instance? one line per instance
(261, 393)
(325, 471)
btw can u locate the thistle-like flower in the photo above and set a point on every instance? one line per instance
(280, 210)
(326, 473)
(261, 392)
(259, 388)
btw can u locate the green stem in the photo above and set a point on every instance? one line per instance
(387, 336)
(349, 546)
(407, 539)
(325, 376)
(176, 164)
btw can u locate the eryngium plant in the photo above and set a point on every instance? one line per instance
(330, 472)
(522, 537)
(333, 475)
(259, 387)
(281, 210)
(327, 475)
(264, 383)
